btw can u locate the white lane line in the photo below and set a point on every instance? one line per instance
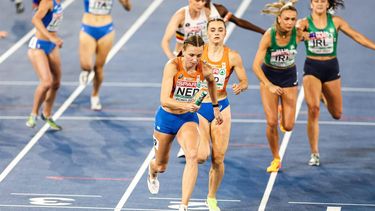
(332, 204)
(333, 208)
(357, 89)
(144, 166)
(194, 199)
(135, 181)
(77, 91)
(151, 119)
(283, 147)
(23, 152)
(26, 37)
(78, 208)
(52, 194)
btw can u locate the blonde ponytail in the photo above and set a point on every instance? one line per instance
(277, 7)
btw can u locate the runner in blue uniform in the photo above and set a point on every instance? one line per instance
(44, 55)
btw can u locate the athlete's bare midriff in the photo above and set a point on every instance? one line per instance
(42, 37)
(321, 58)
(220, 96)
(96, 20)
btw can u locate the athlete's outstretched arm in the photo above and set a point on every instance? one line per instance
(354, 34)
(228, 16)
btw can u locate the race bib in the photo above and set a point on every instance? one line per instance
(220, 74)
(198, 29)
(55, 22)
(100, 7)
(186, 90)
(283, 57)
(321, 43)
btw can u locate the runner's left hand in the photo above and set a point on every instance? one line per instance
(218, 116)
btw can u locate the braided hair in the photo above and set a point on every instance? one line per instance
(278, 7)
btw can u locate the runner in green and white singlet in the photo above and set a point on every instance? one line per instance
(321, 70)
(274, 65)
(321, 42)
(281, 56)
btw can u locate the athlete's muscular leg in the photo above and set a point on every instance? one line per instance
(204, 144)
(313, 89)
(270, 103)
(55, 66)
(162, 149)
(188, 137)
(332, 92)
(220, 139)
(87, 48)
(39, 60)
(288, 102)
(104, 46)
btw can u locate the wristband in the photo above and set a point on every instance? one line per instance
(215, 105)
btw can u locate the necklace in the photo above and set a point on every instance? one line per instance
(283, 34)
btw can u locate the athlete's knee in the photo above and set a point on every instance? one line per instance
(191, 156)
(55, 85)
(288, 126)
(46, 84)
(314, 110)
(218, 159)
(272, 123)
(86, 67)
(203, 158)
(203, 154)
(336, 114)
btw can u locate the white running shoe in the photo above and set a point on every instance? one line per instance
(314, 161)
(95, 103)
(84, 77)
(183, 208)
(152, 184)
(181, 153)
